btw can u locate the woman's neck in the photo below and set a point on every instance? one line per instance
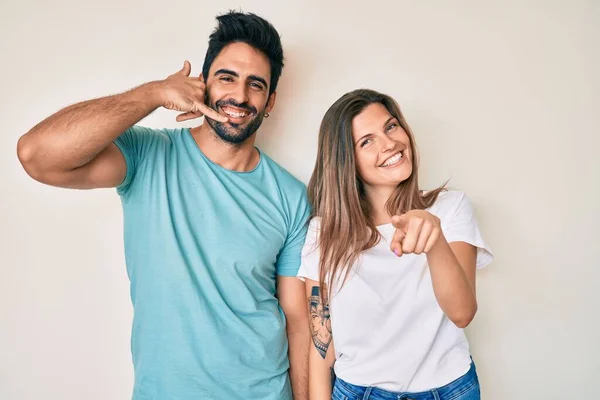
(377, 198)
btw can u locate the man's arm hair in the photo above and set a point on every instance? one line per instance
(74, 147)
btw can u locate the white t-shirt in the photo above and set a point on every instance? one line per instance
(388, 328)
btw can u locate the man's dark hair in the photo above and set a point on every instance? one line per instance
(250, 29)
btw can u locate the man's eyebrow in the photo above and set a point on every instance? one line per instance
(227, 71)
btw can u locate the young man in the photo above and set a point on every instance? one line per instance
(213, 227)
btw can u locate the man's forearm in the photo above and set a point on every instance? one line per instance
(299, 342)
(75, 135)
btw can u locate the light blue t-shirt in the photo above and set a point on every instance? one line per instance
(203, 246)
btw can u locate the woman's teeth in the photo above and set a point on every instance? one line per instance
(392, 160)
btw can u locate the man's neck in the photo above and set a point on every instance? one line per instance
(241, 157)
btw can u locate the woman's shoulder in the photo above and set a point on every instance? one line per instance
(312, 233)
(450, 196)
(314, 224)
(447, 203)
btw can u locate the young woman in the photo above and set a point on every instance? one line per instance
(389, 269)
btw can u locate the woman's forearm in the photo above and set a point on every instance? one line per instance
(453, 290)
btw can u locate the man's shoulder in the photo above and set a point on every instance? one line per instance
(284, 178)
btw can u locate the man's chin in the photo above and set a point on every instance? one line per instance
(236, 133)
(234, 125)
(242, 123)
(233, 137)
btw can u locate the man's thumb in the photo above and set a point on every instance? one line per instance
(187, 68)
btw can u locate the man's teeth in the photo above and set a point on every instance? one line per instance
(235, 114)
(392, 160)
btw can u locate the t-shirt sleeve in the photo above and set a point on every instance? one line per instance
(288, 259)
(463, 227)
(133, 144)
(309, 266)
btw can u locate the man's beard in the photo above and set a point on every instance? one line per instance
(234, 133)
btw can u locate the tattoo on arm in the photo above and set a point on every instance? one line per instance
(320, 323)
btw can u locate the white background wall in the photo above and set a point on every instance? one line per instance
(503, 97)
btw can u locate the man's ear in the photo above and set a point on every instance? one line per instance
(271, 102)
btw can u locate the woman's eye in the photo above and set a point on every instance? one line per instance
(365, 142)
(391, 126)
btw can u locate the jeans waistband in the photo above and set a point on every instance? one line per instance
(369, 392)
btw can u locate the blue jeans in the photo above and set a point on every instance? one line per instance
(464, 388)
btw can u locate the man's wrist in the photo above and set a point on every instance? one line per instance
(150, 94)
